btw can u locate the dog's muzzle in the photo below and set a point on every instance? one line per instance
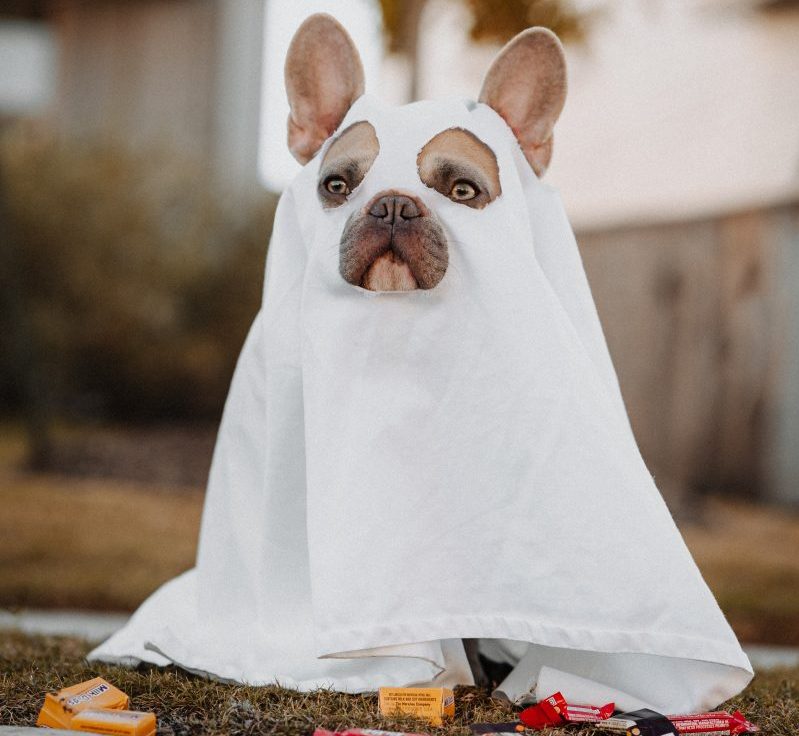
(394, 243)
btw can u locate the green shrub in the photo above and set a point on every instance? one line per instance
(127, 286)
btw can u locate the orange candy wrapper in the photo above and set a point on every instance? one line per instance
(60, 708)
(431, 703)
(115, 722)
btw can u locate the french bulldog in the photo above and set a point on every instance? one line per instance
(395, 242)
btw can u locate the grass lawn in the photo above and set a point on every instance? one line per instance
(184, 704)
(89, 543)
(749, 556)
(106, 543)
(86, 542)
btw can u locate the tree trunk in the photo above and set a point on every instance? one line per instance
(408, 43)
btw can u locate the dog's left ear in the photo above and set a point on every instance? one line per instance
(324, 76)
(526, 85)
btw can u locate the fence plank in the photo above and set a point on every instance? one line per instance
(701, 321)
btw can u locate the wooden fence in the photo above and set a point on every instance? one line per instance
(702, 319)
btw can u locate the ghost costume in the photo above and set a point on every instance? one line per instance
(395, 471)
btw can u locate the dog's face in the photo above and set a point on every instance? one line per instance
(395, 241)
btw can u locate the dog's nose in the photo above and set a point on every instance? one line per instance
(394, 207)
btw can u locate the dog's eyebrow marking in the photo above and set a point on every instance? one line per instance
(456, 154)
(349, 157)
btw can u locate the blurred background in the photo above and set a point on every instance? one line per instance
(141, 156)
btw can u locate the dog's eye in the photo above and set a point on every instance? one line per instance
(337, 185)
(463, 190)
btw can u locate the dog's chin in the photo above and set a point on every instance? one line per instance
(389, 272)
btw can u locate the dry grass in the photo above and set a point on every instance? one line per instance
(102, 543)
(184, 704)
(88, 543)
(749, 556)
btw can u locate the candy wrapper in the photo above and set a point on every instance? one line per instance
(554, 711)
(717, 723)
(643, 722)
(115, 722)
(434, 704)
(587, 713)
(59, 708)
(362, 732)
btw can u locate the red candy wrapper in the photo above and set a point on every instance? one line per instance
(545, 713)
(717, 723)
(588, 713)
(554, 711)
(362, 732)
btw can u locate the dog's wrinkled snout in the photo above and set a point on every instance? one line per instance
(394, 243)
(393, 208)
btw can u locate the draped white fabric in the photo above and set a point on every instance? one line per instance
(395, 471)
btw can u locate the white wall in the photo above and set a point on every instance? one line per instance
(676, 108)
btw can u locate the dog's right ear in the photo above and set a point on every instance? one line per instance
(324, 76)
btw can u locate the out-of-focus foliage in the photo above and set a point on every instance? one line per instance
(127, 287)
(400, 23)
(23, 8)
(493, 21)
(497, 21)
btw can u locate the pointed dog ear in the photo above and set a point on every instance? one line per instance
(324, 77)
(526, 85)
